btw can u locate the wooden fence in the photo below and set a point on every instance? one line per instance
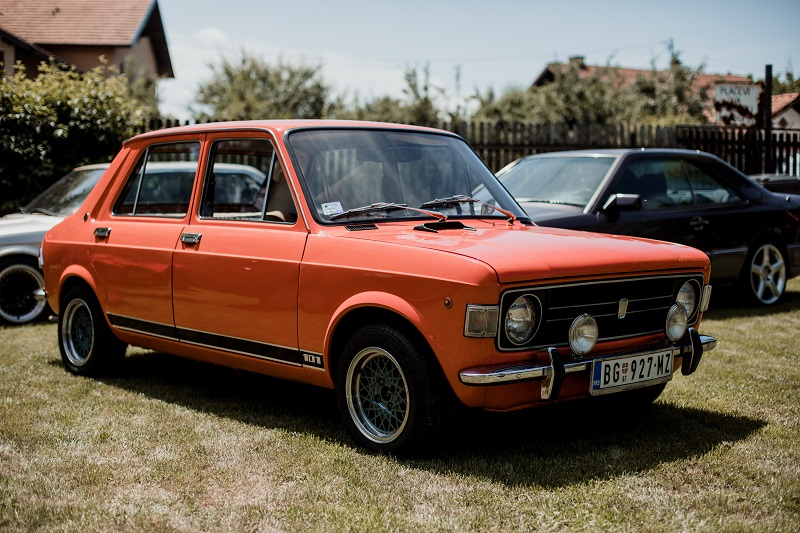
(500, 144)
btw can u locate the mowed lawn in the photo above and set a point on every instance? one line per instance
(175, 445)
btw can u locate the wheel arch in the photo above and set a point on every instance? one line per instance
(376, 308)
(72, 277)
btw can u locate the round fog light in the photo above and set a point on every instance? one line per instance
(676, 322)
(583, 334)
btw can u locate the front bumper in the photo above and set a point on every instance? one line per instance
(553, 374)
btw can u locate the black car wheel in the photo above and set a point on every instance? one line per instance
(765, 277)
(88, 347)
(385, 391)
(19, 278)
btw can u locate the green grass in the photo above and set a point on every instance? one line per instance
(174, 445)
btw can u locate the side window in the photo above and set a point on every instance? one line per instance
(660, 183)
(242, 174)
(706, 189)
(161, 182)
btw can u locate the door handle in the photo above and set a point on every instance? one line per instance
(698, 223)
(102, 233)
(191, 238)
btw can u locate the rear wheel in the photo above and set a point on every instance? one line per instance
(385, 390)
(19, 278)
(88, 347)
(765, 276)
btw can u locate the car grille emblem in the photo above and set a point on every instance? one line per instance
(622, 309)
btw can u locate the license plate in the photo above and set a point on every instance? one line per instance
(621, 373)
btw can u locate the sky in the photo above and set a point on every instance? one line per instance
(364, 47)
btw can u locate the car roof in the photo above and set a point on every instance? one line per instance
(615, 152)
(278, 127)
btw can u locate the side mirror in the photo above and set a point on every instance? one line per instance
(621, 202)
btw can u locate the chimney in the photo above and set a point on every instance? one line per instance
(577, 61)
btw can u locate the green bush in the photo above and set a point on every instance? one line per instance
(57, 121)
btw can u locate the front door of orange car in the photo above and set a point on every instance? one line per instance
(236, 267)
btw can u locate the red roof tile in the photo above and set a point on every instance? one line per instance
(780, 102)
(76, 22)
(629, 75)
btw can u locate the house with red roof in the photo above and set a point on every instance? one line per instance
(625, 77)
(126, 33)
(786, 111)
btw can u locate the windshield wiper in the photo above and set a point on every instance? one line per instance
(546, 201)
(385, 206)
(24, 211)
(464, 199)
(46, 211)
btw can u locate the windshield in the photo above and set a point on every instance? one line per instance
(66, 195)
(558, 180)
(352, 174)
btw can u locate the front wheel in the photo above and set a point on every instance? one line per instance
(386, 392)
(88, 347)
(765, 277)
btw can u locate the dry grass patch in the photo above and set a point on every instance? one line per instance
(174, 445)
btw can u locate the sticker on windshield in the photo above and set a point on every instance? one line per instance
(332, 208)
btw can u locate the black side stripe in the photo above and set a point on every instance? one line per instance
(246, 347)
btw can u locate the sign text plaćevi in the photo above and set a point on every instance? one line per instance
(738, 104)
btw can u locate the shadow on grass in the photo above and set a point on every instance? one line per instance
(550, 447)
(726, 302)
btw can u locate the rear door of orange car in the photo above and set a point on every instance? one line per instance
(135, 238)
(236, 265)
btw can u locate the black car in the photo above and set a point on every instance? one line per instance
(751, 235)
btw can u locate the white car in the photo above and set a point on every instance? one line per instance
(21, 233)
(21, 236)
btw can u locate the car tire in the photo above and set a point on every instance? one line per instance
(88, 347)
(386, 391)
(764, 275)
(19, 278)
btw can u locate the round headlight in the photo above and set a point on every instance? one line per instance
(676, 322)
(583, 334)
(520, 320)
(687, 297)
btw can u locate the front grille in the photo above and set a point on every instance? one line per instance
(649, 299)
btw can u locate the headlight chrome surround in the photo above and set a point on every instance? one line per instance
(583, 334)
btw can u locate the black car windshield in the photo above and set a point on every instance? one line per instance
(558, 180)
(66, 195)
(355, 171)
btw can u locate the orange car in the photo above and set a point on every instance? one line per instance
(354, 256)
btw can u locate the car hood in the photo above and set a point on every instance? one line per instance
(524, 253)
(22, 228)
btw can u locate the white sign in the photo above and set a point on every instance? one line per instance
(736, 103)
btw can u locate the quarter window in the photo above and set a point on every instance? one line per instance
(161, 183)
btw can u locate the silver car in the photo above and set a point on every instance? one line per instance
(21, 235)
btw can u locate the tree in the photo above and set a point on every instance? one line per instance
(57, 121)
(568, 99)
(603, 97)
(669, 97)
(251, 88)
(788, 85)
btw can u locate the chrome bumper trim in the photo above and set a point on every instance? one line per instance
(520, 373)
